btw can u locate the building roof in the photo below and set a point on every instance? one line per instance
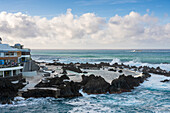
(6, 48)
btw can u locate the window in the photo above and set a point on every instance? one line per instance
(9, 54)
(25, 53)
(6, 54)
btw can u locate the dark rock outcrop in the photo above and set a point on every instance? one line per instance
(41, 92)
(9, 89)
(64, 71)
(112, 70)
(166, 80)
(76, 67)
(120, 71)
(53, 82)
(73, 68)
(126, 83)
(67, 88)
(90, 84)
(46, 74)
(89, 66)
(147, 69)
(94, 85)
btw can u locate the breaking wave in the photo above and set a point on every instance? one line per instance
(137, 63)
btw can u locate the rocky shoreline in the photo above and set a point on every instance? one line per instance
(64, 87)
(9, 88)
(77, 66)
(90, 84)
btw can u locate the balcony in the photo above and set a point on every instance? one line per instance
(9, 65)
(9, 56)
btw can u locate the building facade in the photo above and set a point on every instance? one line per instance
(12, 59)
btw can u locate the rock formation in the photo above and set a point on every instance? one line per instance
(94, 84)
(9, 89)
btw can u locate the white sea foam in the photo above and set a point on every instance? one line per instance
(88, 105)
(85, 94)
(19, 99)
(155, 84)
(115, 60)
(137, 63)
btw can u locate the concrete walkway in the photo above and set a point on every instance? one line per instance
(32, 81)
(109, 76)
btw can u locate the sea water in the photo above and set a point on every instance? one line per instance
(151, 96)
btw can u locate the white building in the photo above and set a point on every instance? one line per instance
(11, 58)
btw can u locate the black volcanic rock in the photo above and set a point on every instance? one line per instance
(67, 88)
(85, 72)
(120, 71)
(9, 89)
(52, 82)
(144, 69)
(37, 93)
(73, 68)
(112, 70)
(94, 84)
(166, 80)
(167, 74)
(126, 83)
(89, 66)
(123, 83)
(64, 71)
(91, 84)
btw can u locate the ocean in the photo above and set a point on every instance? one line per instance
(150, 97)
(152, 58)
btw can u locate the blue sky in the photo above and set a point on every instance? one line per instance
(102, 8)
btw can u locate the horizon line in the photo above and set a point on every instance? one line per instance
(101, 49)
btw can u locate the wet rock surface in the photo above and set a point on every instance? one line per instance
(91, 84)
(64, 87)
(144, 69)
(9, 89)
(94, 84)
(97, 85)
(69, 89)
(126, 83)
(57, 87)
(42, 92)
(166, 80)
(75, 68)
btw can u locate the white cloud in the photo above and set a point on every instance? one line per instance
(86, 31)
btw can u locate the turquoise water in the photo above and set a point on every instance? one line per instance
(150, 97)
(145, 56)
(151, 58)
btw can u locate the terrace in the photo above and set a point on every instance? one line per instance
(8, 63)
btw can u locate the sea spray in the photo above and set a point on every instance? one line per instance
(85, 94)
(138, 63)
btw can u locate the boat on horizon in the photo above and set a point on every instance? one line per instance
(136, 51)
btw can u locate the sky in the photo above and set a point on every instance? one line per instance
(86, 24)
